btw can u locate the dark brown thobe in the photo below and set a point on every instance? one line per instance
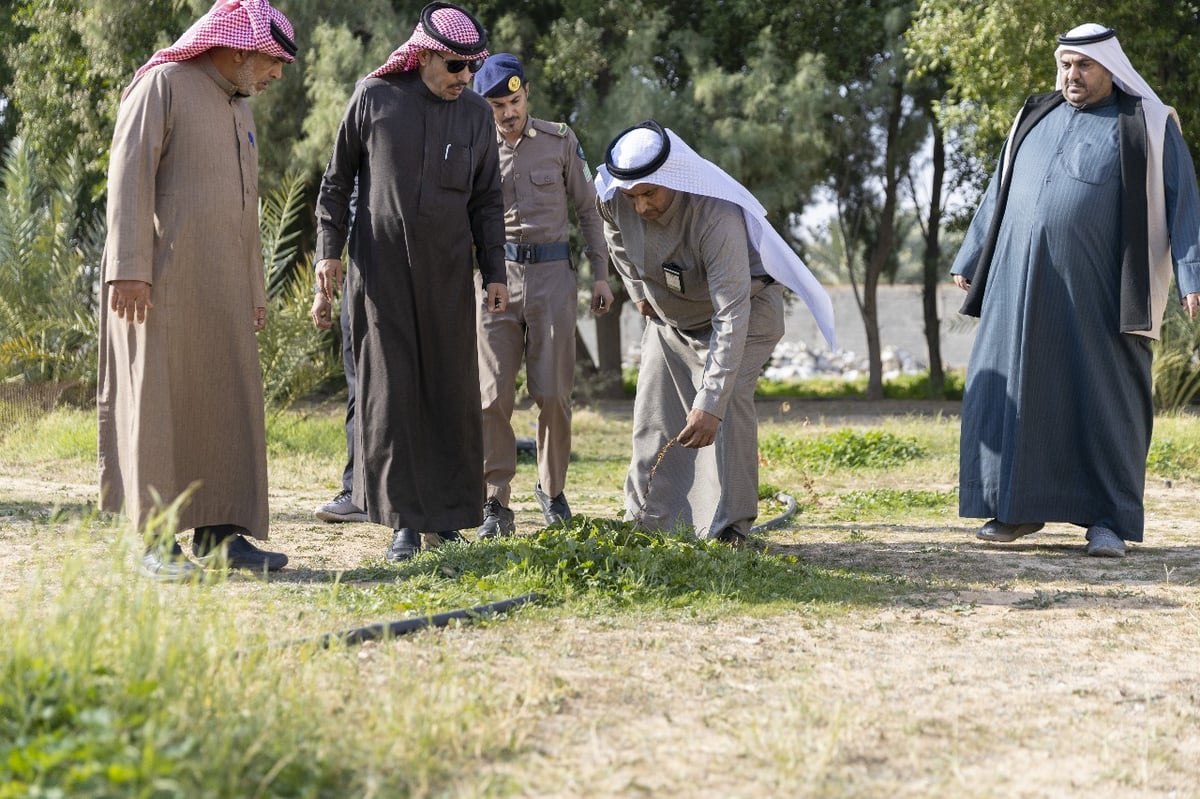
(428, 200)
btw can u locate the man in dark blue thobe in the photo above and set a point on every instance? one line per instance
(1067, 263)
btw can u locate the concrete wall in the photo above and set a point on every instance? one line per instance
(901, 325)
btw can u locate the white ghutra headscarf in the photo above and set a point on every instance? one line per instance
(650, 153)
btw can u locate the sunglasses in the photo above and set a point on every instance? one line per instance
(455, 67)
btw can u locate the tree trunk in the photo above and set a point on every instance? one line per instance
(604, 374)
(933, 266)
(884, 242)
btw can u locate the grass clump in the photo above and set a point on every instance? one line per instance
(589, 563)
(854, 505)
(842, 449)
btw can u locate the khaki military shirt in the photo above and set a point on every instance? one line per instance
(538, 174)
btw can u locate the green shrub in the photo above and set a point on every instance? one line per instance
(1173, 457)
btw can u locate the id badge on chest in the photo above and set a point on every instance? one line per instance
(673, 274)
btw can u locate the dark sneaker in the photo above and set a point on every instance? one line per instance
(341, 509)
(405, 544)
(497, 521)
(555, 509)
(1003, 533)
(167, 563)
(222, 545)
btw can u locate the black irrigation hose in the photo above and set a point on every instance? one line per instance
(779, 520)
(393, 629)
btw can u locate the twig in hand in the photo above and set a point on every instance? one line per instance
(662, 453)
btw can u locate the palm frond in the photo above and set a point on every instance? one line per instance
(278, 213)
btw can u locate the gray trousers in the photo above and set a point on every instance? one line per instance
(711, 488)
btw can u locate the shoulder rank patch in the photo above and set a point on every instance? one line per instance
(562, 129)
(587, 172)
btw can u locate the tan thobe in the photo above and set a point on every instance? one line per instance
(180, 397)
(719, 319)
(542, 176)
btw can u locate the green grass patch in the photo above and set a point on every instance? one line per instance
(1173, 456)
(65, 433)
(842, 449)
(854, 505)
(320, 435)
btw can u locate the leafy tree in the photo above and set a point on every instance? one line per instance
(70, 61)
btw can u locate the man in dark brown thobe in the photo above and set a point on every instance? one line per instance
(180, 396)
(422, 148)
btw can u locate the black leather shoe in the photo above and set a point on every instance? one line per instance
(732, 538)
(168, 563)
(555, 509)
(221, 545)
(497, 521)
(405, 544)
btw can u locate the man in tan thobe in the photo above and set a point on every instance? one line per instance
(542, 173)
(181, 421)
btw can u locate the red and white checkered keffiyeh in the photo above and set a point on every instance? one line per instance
(240, 24)
(451, 23)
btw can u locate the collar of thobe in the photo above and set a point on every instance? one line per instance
(210, 69)
(649, 153)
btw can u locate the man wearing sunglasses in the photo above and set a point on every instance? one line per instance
(422, 150)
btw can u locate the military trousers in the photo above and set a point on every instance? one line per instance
(538, 327)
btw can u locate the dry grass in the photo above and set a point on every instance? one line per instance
(985, 671)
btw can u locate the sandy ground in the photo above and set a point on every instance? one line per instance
(1021, 670)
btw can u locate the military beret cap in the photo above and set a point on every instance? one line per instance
(500, 76)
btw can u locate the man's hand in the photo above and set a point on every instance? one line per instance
(321, 312)
(646, 309)
(329, 277)
(962, 282)
(497, 297)
(602, 297)
(1191, 304)
(130, 299)
(700, 430)
(260, 318)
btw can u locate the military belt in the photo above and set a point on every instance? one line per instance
(534, 253)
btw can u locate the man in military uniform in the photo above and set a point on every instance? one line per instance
(542, 166)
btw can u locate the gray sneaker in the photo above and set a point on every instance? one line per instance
(497, 521)
(1104, 543)
(554, 509)
(341, 509)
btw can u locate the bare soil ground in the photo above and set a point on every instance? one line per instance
(1021, 670)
